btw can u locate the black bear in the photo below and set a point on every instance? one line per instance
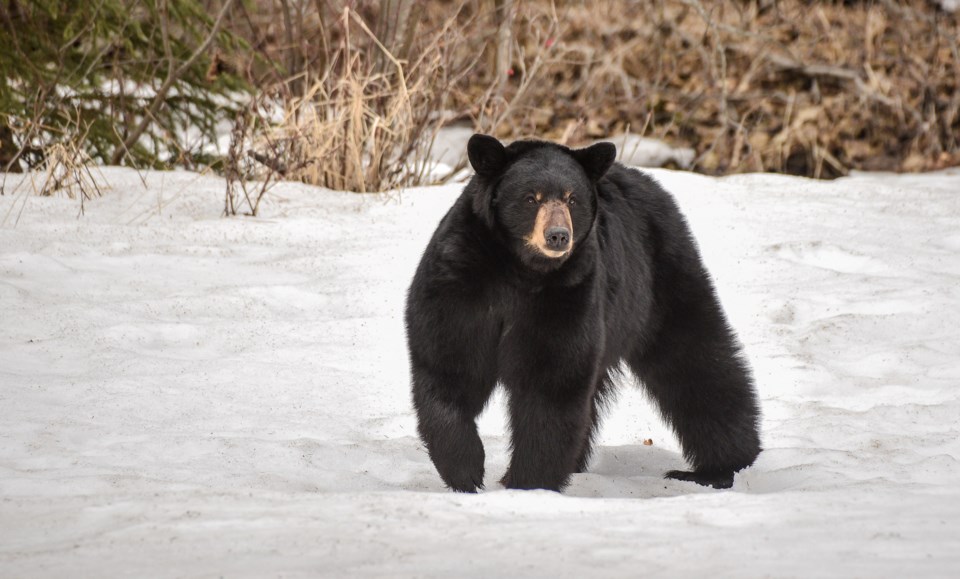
(551, 268)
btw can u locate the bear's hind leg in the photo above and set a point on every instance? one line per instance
(703, 389)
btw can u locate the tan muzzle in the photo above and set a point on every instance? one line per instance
(552, 233)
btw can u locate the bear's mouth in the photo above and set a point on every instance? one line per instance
(549, 253)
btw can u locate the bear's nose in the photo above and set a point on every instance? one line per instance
(558, 238)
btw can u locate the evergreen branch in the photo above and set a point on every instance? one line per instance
(173, 75)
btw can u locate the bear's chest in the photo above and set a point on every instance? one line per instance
(547, 315)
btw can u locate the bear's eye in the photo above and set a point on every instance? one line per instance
(531, 200)
(572, 200)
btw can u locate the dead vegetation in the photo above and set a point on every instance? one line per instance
(801, 87)
(794, 86)
(367, 120)
(350, 94)
(133, 83)
(66, 170)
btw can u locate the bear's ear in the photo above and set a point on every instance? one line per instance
(487, 155)
(596, 159)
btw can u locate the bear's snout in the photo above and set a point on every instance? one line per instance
(552, 233)
(558, 238)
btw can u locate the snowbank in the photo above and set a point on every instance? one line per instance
(187, 395)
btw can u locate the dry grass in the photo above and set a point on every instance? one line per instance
(368, 122)
(66, 170)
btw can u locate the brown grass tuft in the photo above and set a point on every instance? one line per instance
(368, 122)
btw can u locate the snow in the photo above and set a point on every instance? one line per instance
(949, 5)
(449, 149)
(190, 395)
(638, 151)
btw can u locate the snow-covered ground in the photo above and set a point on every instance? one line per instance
(189, 395)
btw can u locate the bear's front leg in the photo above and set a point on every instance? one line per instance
(547, 435)
(446, 410)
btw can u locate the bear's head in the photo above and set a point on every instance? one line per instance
(542, 197)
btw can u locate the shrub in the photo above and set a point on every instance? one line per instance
(805, 87)
(140, 81)
(366, 120)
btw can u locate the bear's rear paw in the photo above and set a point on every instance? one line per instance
(717, 480)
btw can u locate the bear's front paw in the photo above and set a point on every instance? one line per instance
(463, 480)
(461, 467)
(717, 480)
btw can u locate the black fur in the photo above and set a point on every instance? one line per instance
(486, 308)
